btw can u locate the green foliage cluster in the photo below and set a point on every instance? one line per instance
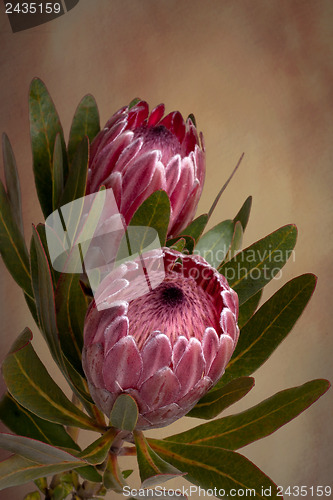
(45, 422)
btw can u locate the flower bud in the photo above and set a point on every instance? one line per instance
(166, 348)
(138, 153)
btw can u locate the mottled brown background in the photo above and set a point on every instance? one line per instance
(258, 76)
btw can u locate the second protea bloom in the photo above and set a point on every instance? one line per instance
(138, 153)
(167, 347)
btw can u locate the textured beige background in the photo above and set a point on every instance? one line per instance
(258, 75)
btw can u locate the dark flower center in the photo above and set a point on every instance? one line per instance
(158, 138)
(173, 296)
(178, 306)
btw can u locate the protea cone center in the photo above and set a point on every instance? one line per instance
(138, 153)
(167, 347)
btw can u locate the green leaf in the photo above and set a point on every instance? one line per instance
(44, 127)
(189, 243)
(71, 307)
(213, 245)
(21, 421)
(196, 227)
(113, 479)
(236, 242)
(34, 450)
(97, 452)
(154, 212)
(44, 296)
(248, 308)
(35, 495)
(153, 469)
(85, 123)
(217, 400)
(12, 181)
(235, 431)
(124, 413)
(12, 245)
(179, 245)
(244, 213)
(269, 326)
(17, 470)
(57, 173)
(75, 186)
(208, 467)
(254, 267)
(31, 385)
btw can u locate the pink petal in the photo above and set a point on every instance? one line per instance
(156, 115)
(178, 351)
(116, 330)
(163, 416)
(172, 174)
(156, 183)
(228, 323)
(156, 354)
(210, 345)
(92, 362)
(122, 365)
(137, 178)
(189, 400)
(138, 114)
(229, 300)
(104, 162)
(161, 389)
(103, 399)
(127, 156)
(191, 367)
(222, 358)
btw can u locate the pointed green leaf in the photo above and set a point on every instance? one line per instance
(215, 401)
(244, 213)
(44, 127)
(248, 308)
(213, 246)
(153, 469)
(188, 247)
(17, 470)
(210, 468)
(179, 245)
(269, 326)
(97, 452)
(31, 385)
(71, 306)
(75, 186)
(85, 123)
(251, 269)
(12, 245)
(235, 431)
(57, 173)
(155, 213)
(124, 413)
(12, 181)
(236, 242)
(34, 450)
(21, 421)
(196, 227)
(113, 479)
(44, 296)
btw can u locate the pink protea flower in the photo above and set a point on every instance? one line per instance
(166, 348)
(138, 153)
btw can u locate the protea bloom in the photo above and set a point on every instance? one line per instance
(166, 348)
(138, 153)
